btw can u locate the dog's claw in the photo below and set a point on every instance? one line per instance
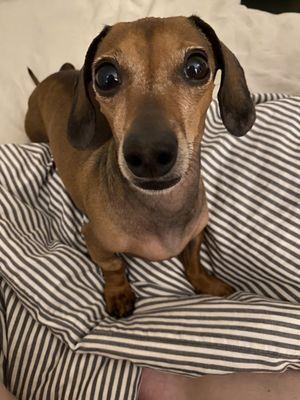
(119, 301)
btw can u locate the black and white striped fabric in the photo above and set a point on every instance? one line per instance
(57, 341)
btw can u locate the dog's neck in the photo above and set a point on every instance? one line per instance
(137, 210)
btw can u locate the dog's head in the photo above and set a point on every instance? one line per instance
(148, 85)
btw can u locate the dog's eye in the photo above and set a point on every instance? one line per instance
(107, 77)
(196, 67)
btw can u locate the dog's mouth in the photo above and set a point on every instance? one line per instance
(157, 184)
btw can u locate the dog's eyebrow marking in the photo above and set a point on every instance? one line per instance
(194, 46)
(115, 53)
(97, 60)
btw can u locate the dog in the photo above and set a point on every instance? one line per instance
(125, 132)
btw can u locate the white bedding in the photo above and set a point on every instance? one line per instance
(45, 34)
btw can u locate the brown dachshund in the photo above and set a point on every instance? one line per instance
(125, 132)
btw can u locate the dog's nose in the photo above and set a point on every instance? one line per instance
(150, 156)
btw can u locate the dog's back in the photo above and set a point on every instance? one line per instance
(34, 120)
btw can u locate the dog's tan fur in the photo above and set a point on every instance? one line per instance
(122, 217)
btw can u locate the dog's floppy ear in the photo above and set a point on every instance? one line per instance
(236, 106)
(87, 126)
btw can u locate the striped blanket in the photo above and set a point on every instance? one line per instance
(57, 341)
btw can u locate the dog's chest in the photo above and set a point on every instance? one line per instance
(159, 242)
(156, 248)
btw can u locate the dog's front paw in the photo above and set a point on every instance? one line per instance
(119, 300)
(219, 288)
(212, 285)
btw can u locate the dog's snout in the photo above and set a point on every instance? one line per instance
(152, 155)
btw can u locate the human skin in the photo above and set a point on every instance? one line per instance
(4, 394)
(272, 386)
(157, 385)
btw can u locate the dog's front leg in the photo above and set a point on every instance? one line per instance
(118, 295)
(196, 274)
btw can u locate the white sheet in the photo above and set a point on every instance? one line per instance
(45, 34)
